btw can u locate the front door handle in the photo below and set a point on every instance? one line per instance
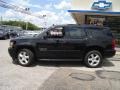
(60, 41)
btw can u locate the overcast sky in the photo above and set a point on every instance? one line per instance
(56, 11)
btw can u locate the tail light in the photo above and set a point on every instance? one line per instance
(113, 44)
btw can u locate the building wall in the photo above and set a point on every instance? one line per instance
(87, 4)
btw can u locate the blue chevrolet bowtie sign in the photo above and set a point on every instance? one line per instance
(102, 5)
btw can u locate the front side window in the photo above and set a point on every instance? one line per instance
(55, 32)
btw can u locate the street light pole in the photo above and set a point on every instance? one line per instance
(26, 25)
(45, 23)
(27, 9)
(1, 20)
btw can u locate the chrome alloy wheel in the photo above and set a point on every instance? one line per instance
(93, 59)
(23, 57)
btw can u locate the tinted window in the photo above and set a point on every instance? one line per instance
(56, 32)
(99, 32)
(94, 32)
(75, 32)
(108, 32)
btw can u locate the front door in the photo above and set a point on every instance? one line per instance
(51, 47)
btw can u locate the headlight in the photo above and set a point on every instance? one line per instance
(12, 44)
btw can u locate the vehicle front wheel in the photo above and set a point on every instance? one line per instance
(93, 59)
(25, 57)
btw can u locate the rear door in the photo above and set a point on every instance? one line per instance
(75, 42)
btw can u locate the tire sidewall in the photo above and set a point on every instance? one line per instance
(93, 52)
(31, 57)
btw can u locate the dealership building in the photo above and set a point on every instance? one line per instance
(98, 12)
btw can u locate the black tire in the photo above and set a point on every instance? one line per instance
(29, 53)
(87, 56)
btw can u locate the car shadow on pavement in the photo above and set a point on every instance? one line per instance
(106, 63)
(59, 63)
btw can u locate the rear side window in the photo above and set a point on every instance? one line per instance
(74, 32)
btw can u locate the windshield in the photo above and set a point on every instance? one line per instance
(44, 31)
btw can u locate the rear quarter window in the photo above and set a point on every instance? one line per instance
(94, 32)
(107, 32)
(99, 32)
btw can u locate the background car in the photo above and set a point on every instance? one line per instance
(27, 33)
(4, 34)
(13, 33)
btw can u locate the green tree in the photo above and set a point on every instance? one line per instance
(21, 24)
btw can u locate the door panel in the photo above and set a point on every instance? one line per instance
(61, 48)
(75, 39)
(48, 48)
(73, 48)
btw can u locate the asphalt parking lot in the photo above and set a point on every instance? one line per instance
(57, 75)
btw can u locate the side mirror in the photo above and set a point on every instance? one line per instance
(45, 37)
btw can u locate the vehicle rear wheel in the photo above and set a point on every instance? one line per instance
(93, 59)
(25, 57)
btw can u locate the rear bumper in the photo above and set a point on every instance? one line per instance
(109, 53)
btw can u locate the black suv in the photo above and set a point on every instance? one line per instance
(90, 44)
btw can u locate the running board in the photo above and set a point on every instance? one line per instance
(60, 59)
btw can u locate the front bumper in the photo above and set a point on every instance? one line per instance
(12, 52)
(1, 36)
(109, 53)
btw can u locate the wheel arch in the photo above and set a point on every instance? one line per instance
(98, 48)
(26, 47)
